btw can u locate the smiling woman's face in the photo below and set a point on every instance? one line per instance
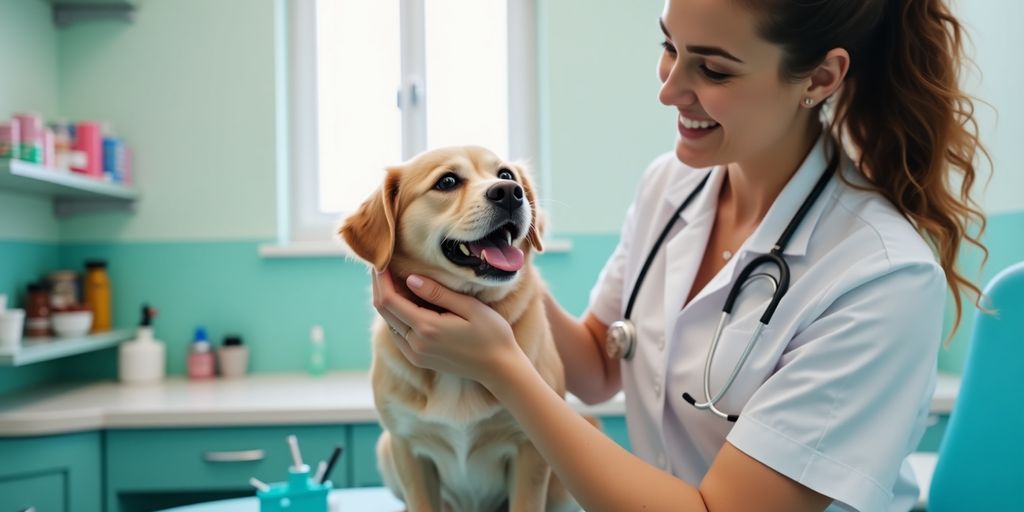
(724, 80)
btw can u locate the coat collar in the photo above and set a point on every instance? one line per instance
(782, 210)
(791, 198)
(683, 251)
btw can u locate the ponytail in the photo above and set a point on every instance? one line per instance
(911, 128)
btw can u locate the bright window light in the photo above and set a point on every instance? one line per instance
(359, 73)
(467, 73)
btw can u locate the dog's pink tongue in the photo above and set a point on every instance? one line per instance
(500, 255)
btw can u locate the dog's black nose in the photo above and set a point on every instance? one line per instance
(508, 195)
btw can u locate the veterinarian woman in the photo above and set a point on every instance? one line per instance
(833, 394)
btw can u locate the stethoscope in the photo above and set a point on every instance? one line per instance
(620, 341)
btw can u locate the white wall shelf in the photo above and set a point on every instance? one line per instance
(72, 193)
(35, 350)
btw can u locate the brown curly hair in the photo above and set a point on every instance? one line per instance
(900, 110)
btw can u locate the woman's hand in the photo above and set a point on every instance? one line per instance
(471, 340)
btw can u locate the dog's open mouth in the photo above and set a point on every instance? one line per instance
(492, 256)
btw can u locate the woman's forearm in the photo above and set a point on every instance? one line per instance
(600, 474)
(588, 373)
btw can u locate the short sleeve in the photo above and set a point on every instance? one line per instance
(606, 298)
(844, 408)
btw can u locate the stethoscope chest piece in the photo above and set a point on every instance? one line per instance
(620, 341)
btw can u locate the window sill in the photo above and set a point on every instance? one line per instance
(329, 249)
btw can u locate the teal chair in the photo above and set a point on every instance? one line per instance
(981, 458)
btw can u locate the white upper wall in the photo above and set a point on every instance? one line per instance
(28, 82)
(995, 28)
(189, 84)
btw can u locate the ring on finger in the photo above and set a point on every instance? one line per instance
(395, 331)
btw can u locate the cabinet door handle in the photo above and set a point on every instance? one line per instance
(236, 456)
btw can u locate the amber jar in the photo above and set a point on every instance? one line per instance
(96, 288)
(37, 310)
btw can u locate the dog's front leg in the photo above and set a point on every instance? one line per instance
(530, 475)
(416, 476)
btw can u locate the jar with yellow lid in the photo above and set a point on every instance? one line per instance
(96, 288)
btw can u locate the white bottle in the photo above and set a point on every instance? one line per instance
(142, 360)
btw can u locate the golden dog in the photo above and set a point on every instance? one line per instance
(468, 220)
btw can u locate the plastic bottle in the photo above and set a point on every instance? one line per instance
(97, 294)
(144, 359)
(61, 145)
(89, 140)
(10, 139)
(31, 136)
(317, 352)
(201, 363)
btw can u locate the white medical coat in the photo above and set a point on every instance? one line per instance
(836, 392)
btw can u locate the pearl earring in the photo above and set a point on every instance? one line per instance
(809, 102)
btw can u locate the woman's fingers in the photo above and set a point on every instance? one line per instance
(400, 307)
(432, 292)
(381, 288)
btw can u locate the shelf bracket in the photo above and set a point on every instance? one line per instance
(68, 206)
(67, 13)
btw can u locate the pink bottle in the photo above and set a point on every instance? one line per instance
(89, 140)
(201, 363)
(31, 137)
(49, 149)
(10, 139)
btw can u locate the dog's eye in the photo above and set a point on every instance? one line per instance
(505, 174)
(447, 182)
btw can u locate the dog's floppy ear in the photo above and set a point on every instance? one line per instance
(371, 230)
(536, 232)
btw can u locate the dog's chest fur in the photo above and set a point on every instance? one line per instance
(467, 435)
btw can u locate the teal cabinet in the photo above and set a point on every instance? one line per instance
(144, 465)
(35, 492)
(59, 473)
(363, 449)
(142, 469)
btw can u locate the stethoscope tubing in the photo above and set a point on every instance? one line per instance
(780, 285)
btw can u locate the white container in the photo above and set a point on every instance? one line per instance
(12, 324)
(69, 324)
(3, 302)
(233, 361)
(142, 360)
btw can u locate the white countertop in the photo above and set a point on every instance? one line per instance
(260, 399)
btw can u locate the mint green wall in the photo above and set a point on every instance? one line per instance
(601, 122)
(272, 303)
(28, 82)
(190, 85)
(1006, 247)
(21, 262)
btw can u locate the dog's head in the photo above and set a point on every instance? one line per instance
(461, 214)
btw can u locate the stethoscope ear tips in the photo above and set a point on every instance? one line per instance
(689, 399)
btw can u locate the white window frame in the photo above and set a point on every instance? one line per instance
(307, 231)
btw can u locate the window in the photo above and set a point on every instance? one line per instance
(372, 83)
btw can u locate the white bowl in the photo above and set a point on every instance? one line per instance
(68, 324)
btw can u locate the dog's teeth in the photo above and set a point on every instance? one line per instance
(464, 249)
(508, 237)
